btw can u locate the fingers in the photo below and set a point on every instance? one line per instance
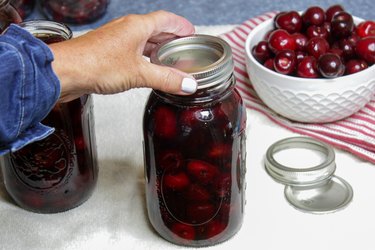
(167, 22)
(165, 25)
(168, 80)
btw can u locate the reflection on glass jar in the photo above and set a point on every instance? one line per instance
(59, 172)
(24, 7)
(194, 147)
(74, 11)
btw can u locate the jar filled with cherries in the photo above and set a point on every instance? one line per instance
(60, 171)
(317, 43)
(74, 11)
(194, 146)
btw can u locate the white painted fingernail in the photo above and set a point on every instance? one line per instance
(189, 85)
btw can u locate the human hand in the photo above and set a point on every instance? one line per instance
(110, 59)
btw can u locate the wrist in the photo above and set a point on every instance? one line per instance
(70, 70)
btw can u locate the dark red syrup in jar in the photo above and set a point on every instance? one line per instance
(74, 11)
(23, 7)
(59, 172)
(195, 160)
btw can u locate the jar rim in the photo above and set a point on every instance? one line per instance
(207, 58)
(36, 26)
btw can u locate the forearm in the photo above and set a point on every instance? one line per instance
(110, 59)
(71, 67)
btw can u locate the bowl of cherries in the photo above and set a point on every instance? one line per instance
(313, 66)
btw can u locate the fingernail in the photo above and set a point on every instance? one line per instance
(189, 85)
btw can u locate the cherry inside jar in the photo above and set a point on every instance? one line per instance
(24, 7)
(59, 172)
(195, 147)
(74, 11)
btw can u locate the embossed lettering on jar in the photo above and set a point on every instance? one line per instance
(59, 172)
(195, 147)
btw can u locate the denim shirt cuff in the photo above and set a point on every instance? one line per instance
(32, 89)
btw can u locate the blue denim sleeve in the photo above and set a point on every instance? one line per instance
(28, 89)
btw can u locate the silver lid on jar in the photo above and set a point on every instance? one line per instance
(207, 58)
(45, 27)
(312, 189)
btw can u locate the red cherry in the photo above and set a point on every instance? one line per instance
(176, 181)
(201, 171)
(214, 228)
(220, 150)
(342, 25)
(261, 51)
(197, 193)
(353, 39)
(281, 40)
(300, 40)
(333, 10)
(354, 66)
(313, 16)
(169, 159)
(189, 117)
(300, 55)
(347, 48)
(337, 51)
(308, 68)
(330, 65)
(80, 144)
(183, 231)
(366, 28)
(366, 49)
(269, 64)
(165, 122)
(290, 21)
(285, 62)
(317, 46)
(317, 31)
(200, 212)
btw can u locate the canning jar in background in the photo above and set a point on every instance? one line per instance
(24, 7)
(59, 172)
(74, 11)
(8, 15)
(194, 146)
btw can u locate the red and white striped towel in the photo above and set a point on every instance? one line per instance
(355, 134)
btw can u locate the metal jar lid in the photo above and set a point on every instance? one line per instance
(313, 189)
(207, 58)
(41, 28)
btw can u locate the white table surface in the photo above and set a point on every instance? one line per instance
(115, 216)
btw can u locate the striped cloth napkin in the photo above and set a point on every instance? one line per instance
(355, 134)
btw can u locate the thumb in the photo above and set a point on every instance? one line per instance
(168, 80)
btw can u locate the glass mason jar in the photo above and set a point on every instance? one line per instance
(24, 7)
(74, 11)
(8, 14)
(59, 172)
(194, 146)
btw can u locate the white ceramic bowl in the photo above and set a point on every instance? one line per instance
(308, 100)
